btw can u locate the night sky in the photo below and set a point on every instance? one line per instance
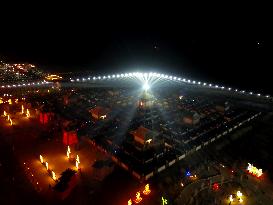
(62, 44)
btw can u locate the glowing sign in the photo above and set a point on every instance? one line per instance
(147, 190)
(138, 198)
(164, 201)
(254, 170)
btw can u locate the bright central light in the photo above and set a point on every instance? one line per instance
(146, 86)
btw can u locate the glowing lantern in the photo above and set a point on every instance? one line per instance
(5, 113)
(46, 164)
(138, 197)
(164, 201)
(230, 198)
(41, 159)
(130, 202)
(239, 194)
(147, 190)
(22, 109)
(254, 170)
(54, 176)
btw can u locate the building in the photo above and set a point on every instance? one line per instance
(143, 135)
(99, 112)
(191, 118)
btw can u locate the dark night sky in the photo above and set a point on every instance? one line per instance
(91, 44)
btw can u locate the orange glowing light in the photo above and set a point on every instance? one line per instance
(8, 118)
(147, 190)
(22, 108)
(231, 198)
(130, 202)
(138, 198)
(68, 149)
(11, 123)
(46, 164)
(68, 154)
(5, 113)
(28, 114)
(254, 170)
(77, 165)
(78, 159)
(54, 176)
(41, 159)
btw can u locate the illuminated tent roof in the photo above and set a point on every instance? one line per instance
(70, 137)
(98, 111)
(143, 133)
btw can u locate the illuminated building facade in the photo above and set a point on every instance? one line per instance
(143, 135)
